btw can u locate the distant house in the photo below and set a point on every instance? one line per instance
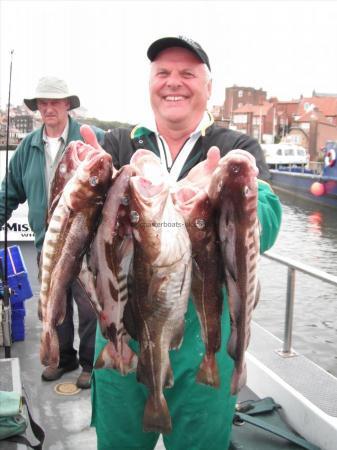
(238, 96)
(326, 105)
(308, 121)
(258, 121)
(311, 130)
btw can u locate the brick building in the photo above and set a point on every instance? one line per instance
(238, 96)
(311, 131)
(258, 121)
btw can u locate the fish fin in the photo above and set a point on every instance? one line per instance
(227, 234)
(169, 379)
(257, 294)
(52, 207)
(229, 259)
(129, 359)
(239, 379)
(197, 272)
(129, 321)
(156, 285)
(156, 416)
(108, 358)
(39, 309)
(141, 373)
(187, 271)
(49, 348)
(232, 343)
(208, 371)
(178, 337)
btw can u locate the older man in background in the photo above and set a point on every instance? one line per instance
(30, 174)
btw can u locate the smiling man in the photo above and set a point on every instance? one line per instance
(181, 133)
(180, 86)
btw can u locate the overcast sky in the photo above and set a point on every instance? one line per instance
(287, 48)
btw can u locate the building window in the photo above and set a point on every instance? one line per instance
(240, 118)
(240, 93)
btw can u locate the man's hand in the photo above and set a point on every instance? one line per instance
(89, 136)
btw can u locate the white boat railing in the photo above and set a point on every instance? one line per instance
(314, 166)
(293, 266)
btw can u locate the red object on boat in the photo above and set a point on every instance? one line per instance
(317, 189)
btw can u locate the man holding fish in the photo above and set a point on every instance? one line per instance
(217, 197)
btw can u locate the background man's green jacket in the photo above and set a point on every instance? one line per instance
(26, 179)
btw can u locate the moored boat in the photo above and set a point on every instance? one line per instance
(316, 184)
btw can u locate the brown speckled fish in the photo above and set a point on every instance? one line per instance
(161, 280)
(72, 157)
(233, 190)
(111, 257)
(68, 236)
(192, 201)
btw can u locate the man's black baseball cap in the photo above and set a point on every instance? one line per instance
(179, 41)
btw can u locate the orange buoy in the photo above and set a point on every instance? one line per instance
(317, 189)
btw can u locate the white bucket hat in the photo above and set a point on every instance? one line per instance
(52, 88)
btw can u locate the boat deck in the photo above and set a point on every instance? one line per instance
(66, 418)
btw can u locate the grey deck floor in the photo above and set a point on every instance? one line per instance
(65, 419)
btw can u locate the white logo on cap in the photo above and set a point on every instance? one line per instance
(189, 41)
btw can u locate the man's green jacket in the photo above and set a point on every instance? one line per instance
(26, 179)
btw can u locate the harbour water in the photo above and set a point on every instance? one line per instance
(308, 234)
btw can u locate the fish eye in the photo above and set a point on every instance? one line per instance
(245, 190)
(93, 180)
(125, 200)
(134, 217)
(200, 223)
(63, 168)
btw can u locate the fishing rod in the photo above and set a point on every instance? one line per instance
(6, 321)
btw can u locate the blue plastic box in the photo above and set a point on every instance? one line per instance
(18, 324)
(16, 274)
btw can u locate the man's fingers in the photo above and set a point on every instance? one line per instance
(89, 136)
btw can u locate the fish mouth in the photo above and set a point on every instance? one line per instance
(238, 159)
(97, 163)
(94, 156)
(79, 152)
(145, 188)
(147, 165)
(184, 198)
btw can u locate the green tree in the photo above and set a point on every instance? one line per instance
(104, 124)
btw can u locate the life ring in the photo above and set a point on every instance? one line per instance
(330, 158)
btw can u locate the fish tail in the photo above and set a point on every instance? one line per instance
(208, 371)
(239, 379)
(108, 358)
(156, 415)
(49, 348)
